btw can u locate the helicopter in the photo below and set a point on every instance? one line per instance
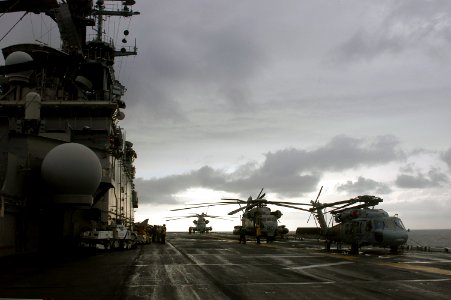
(256, 212)
(358, 224)
(201, 222)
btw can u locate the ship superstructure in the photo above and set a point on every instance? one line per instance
(65, 164)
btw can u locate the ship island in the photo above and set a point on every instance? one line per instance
(65, 165)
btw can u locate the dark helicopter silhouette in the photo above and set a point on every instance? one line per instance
(357, 224)
(256, 212)
(201, 222)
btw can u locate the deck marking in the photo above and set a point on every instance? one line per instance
(158, 285)
(427, 262)
(419, 268)
(278, 283)
(140, 265)
(206, 264)
(207, 254)
(280, 256)
(425, 280)
(282, 283)
(174, 248)
(319, 265)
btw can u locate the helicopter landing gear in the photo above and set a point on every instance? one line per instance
(107, 245)
(270, 239)
(328, 243)
(354, 249)
(394, 249)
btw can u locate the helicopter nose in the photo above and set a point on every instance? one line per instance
(397, 237)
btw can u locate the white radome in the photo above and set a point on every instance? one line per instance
(17, 57)
(72, 169)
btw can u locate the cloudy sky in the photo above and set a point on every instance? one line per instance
(227, 97)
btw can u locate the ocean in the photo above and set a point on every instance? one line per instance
(435, 238)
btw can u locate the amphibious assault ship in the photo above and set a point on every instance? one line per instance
(65, 166)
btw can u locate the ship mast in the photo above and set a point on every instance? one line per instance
(100, 11)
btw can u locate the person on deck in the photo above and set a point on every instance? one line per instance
(163, 234)
(258, 233)
(243, 235)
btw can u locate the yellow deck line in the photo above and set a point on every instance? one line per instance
(419, 268)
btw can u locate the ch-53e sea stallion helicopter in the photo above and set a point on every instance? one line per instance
(201, 222)
(358, 224)
(256, 212)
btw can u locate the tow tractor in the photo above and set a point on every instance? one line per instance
(119, 237)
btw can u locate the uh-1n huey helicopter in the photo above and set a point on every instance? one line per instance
(256, 212)
(358, 224)
(200, 223)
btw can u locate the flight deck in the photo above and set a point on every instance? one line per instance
(216, 266)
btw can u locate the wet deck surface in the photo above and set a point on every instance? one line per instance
(217, 267)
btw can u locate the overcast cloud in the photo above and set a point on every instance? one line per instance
(227, 97)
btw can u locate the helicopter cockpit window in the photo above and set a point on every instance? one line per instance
(389, 223)
(399, 224)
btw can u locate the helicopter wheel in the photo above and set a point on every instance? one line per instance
(394, 249)
(354, 248)
(328, 243)
(107, 245)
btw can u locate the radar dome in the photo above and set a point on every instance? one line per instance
(120, 115)
(18, 57)
(73, 171)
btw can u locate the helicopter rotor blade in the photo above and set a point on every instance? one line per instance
(182, 216)
(340, 207)
(242, 208)
(260, 194)
(319, 193)
(237, 210)
(367, 200)
(325, 205)
(174, 219)
(234, 200)
(187, 216)
(290, 206)
(214, 216)
(209, 203)
(352, 207)
(260, 201)
(292, 203)
(221, 218)
(198, 206)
